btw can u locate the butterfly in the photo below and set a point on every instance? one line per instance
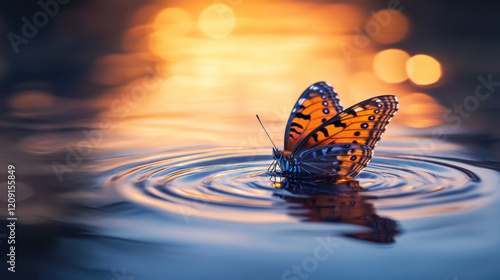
(321, 138)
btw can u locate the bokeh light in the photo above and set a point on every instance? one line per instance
(171, 26)
(217, 21)
(173, 22)
(420, 110)
(390, 65)
(394, 26)
(423, 69)
(250, 50)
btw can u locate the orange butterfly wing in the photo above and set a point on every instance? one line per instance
(316, 105)
(351, 136)
(362, 123)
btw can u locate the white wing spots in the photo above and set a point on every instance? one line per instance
(313, 87)
(358, 109)
(301, 101)
(294, 110)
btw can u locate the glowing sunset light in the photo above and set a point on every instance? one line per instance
(217, 21)
(389, 65)
(423, 69)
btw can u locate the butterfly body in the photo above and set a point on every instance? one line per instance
(323, 139)
(285, 161)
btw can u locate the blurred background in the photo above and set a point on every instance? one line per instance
(87, 80)
(210, 66)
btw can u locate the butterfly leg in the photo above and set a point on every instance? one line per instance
(271, 167)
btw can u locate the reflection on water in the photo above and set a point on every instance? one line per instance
(204, 182)
(330, 202)
(160, 167)
(182, 206)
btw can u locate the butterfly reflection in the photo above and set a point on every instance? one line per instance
(324, 200)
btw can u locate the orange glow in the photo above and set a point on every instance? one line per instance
(173, 22)
(227, 63)
(31, 103)
(423, 69)
(394, 26)
(389, 65)
(420, 111)
(217, 21)
(171, 26)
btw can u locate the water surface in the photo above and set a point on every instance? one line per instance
(189, 212)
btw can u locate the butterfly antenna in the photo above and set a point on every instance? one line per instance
(266, 132)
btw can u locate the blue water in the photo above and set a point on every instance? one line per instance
(215, 213)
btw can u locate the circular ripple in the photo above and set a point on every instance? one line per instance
(227, 183)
